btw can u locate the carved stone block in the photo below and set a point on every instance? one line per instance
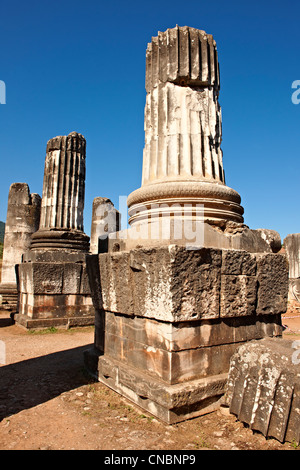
(272, 275)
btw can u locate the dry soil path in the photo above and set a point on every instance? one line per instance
(48, 402)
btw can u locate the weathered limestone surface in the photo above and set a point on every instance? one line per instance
(182, 115)
(52, 278)
(292, 248)
(183, 55)
(22, 220)
(263, 388)
(105, 220)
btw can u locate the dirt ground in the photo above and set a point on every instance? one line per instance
(47, 402)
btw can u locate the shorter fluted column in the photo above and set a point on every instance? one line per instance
(61, 224)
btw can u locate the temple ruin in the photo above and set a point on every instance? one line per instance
(187, 301)
(188, 282)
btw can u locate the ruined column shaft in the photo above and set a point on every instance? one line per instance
(182, 157)
(291, 245)
(182, 115)
(64, 181)
(182, 54)
(61, 224)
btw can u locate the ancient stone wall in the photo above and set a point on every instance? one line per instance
(22, 220)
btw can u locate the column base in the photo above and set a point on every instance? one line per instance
(63, 239)
(183, 198)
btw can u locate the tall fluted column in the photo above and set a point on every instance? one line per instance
(61, 224)
(182, 159)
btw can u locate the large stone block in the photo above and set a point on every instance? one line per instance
(176, 284)
(169, 283)
(175, 337)
(235, 262)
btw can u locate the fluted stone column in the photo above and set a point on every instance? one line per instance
(61, 224)
(22, 220)
(53, 285)
(182, 159)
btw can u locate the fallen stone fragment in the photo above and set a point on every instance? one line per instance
(263, 388)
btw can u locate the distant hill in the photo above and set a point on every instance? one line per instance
(2, 229)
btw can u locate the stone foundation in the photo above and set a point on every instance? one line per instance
(170, 403)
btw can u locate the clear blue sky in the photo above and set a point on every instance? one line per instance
(80, 66)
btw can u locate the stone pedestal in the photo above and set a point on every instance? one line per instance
(52, 280)
(54, 290)
(22, 220)
(169, 319)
